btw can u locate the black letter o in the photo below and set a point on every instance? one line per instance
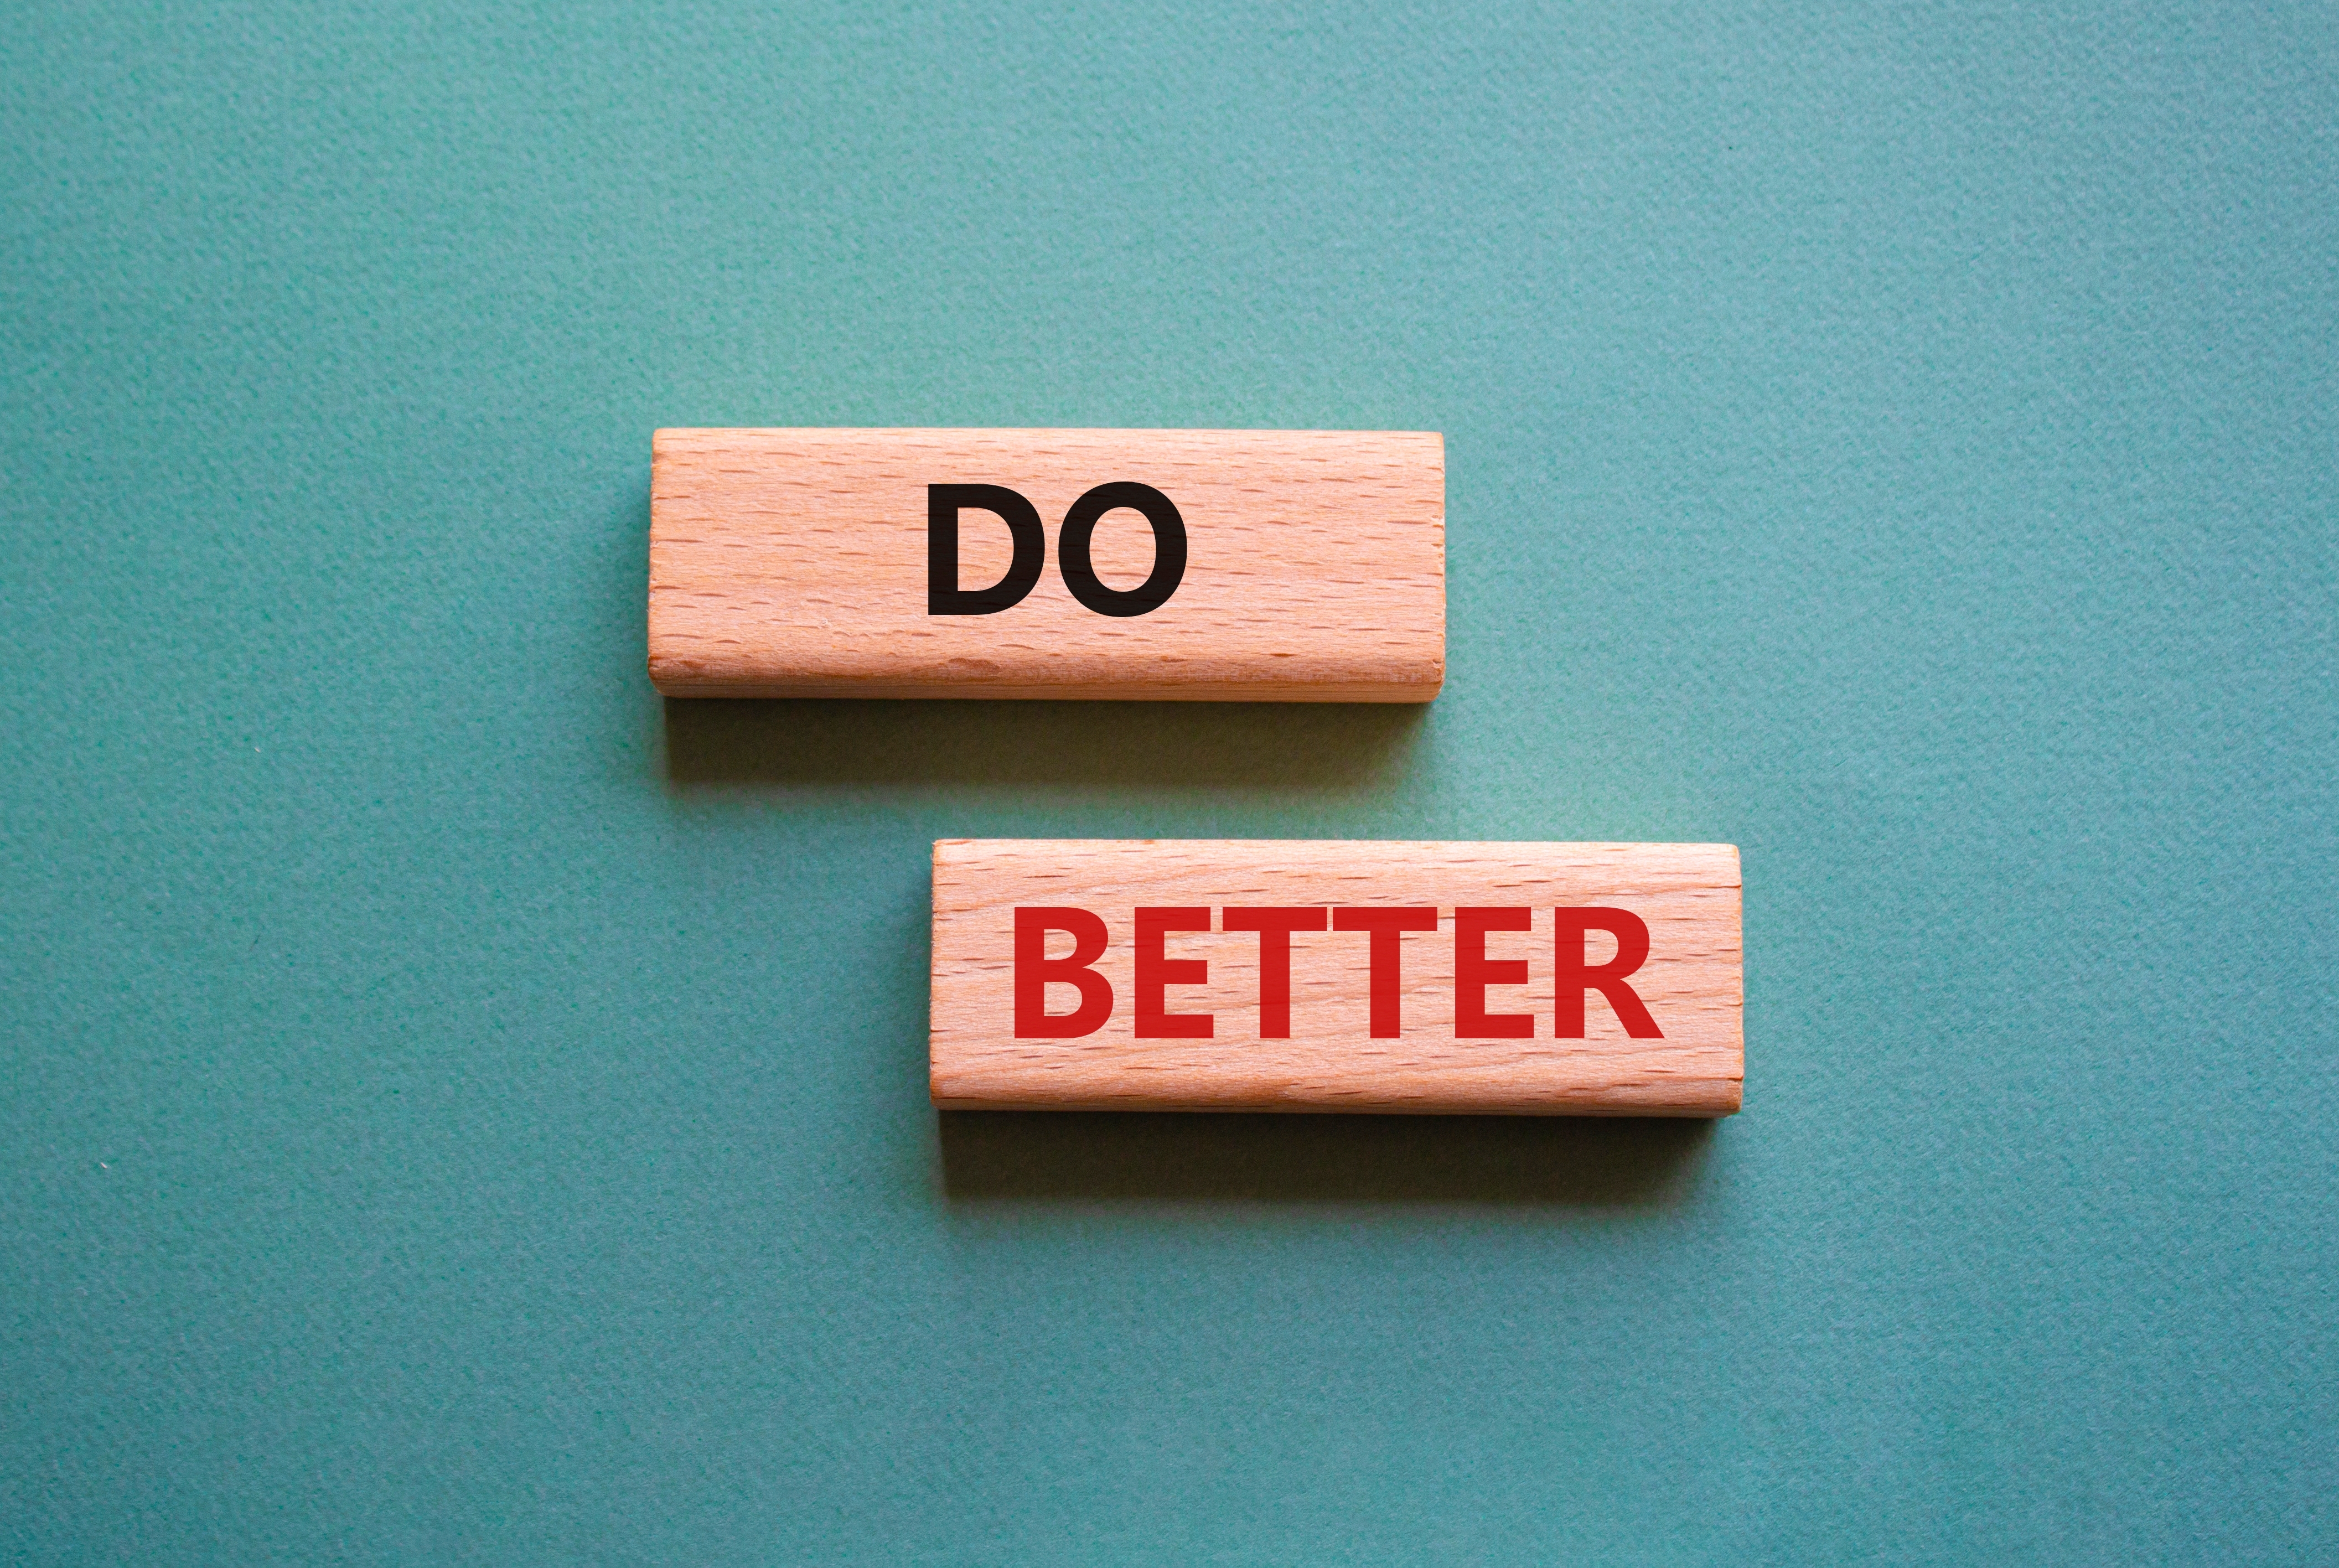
(1168, 549)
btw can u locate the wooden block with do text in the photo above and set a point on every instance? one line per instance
(1229, 565)
(1590, 979)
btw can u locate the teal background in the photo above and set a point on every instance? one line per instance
(459, 1107)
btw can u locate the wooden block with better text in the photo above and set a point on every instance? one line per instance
(1523, 978)
(1281, 566)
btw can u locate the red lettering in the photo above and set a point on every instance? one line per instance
(1034, 969)
(1388, 926)
(1156, 971)
(1575, 977)
(1474, 972)
(1275, 923)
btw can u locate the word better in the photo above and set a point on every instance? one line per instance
(1154, 971)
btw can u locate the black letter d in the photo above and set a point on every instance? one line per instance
(943, 595)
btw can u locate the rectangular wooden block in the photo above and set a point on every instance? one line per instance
(802, 563)
(1590, 979)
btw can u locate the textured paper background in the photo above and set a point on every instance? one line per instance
(456, 1108)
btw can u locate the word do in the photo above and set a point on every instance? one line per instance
(945, 597)
(1385, 927)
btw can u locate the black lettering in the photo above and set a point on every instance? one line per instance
(1080, 525)
(943, 595)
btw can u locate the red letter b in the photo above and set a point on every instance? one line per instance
(1034, 969)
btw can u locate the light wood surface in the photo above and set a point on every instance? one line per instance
(1685, 895)
(793, 563)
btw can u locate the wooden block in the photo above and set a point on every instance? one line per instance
(1125, 975)
(800, 563)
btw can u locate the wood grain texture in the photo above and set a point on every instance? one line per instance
(1690, 983)
(793, 563)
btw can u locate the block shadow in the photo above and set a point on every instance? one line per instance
(716, 743)
(1556, 1161)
